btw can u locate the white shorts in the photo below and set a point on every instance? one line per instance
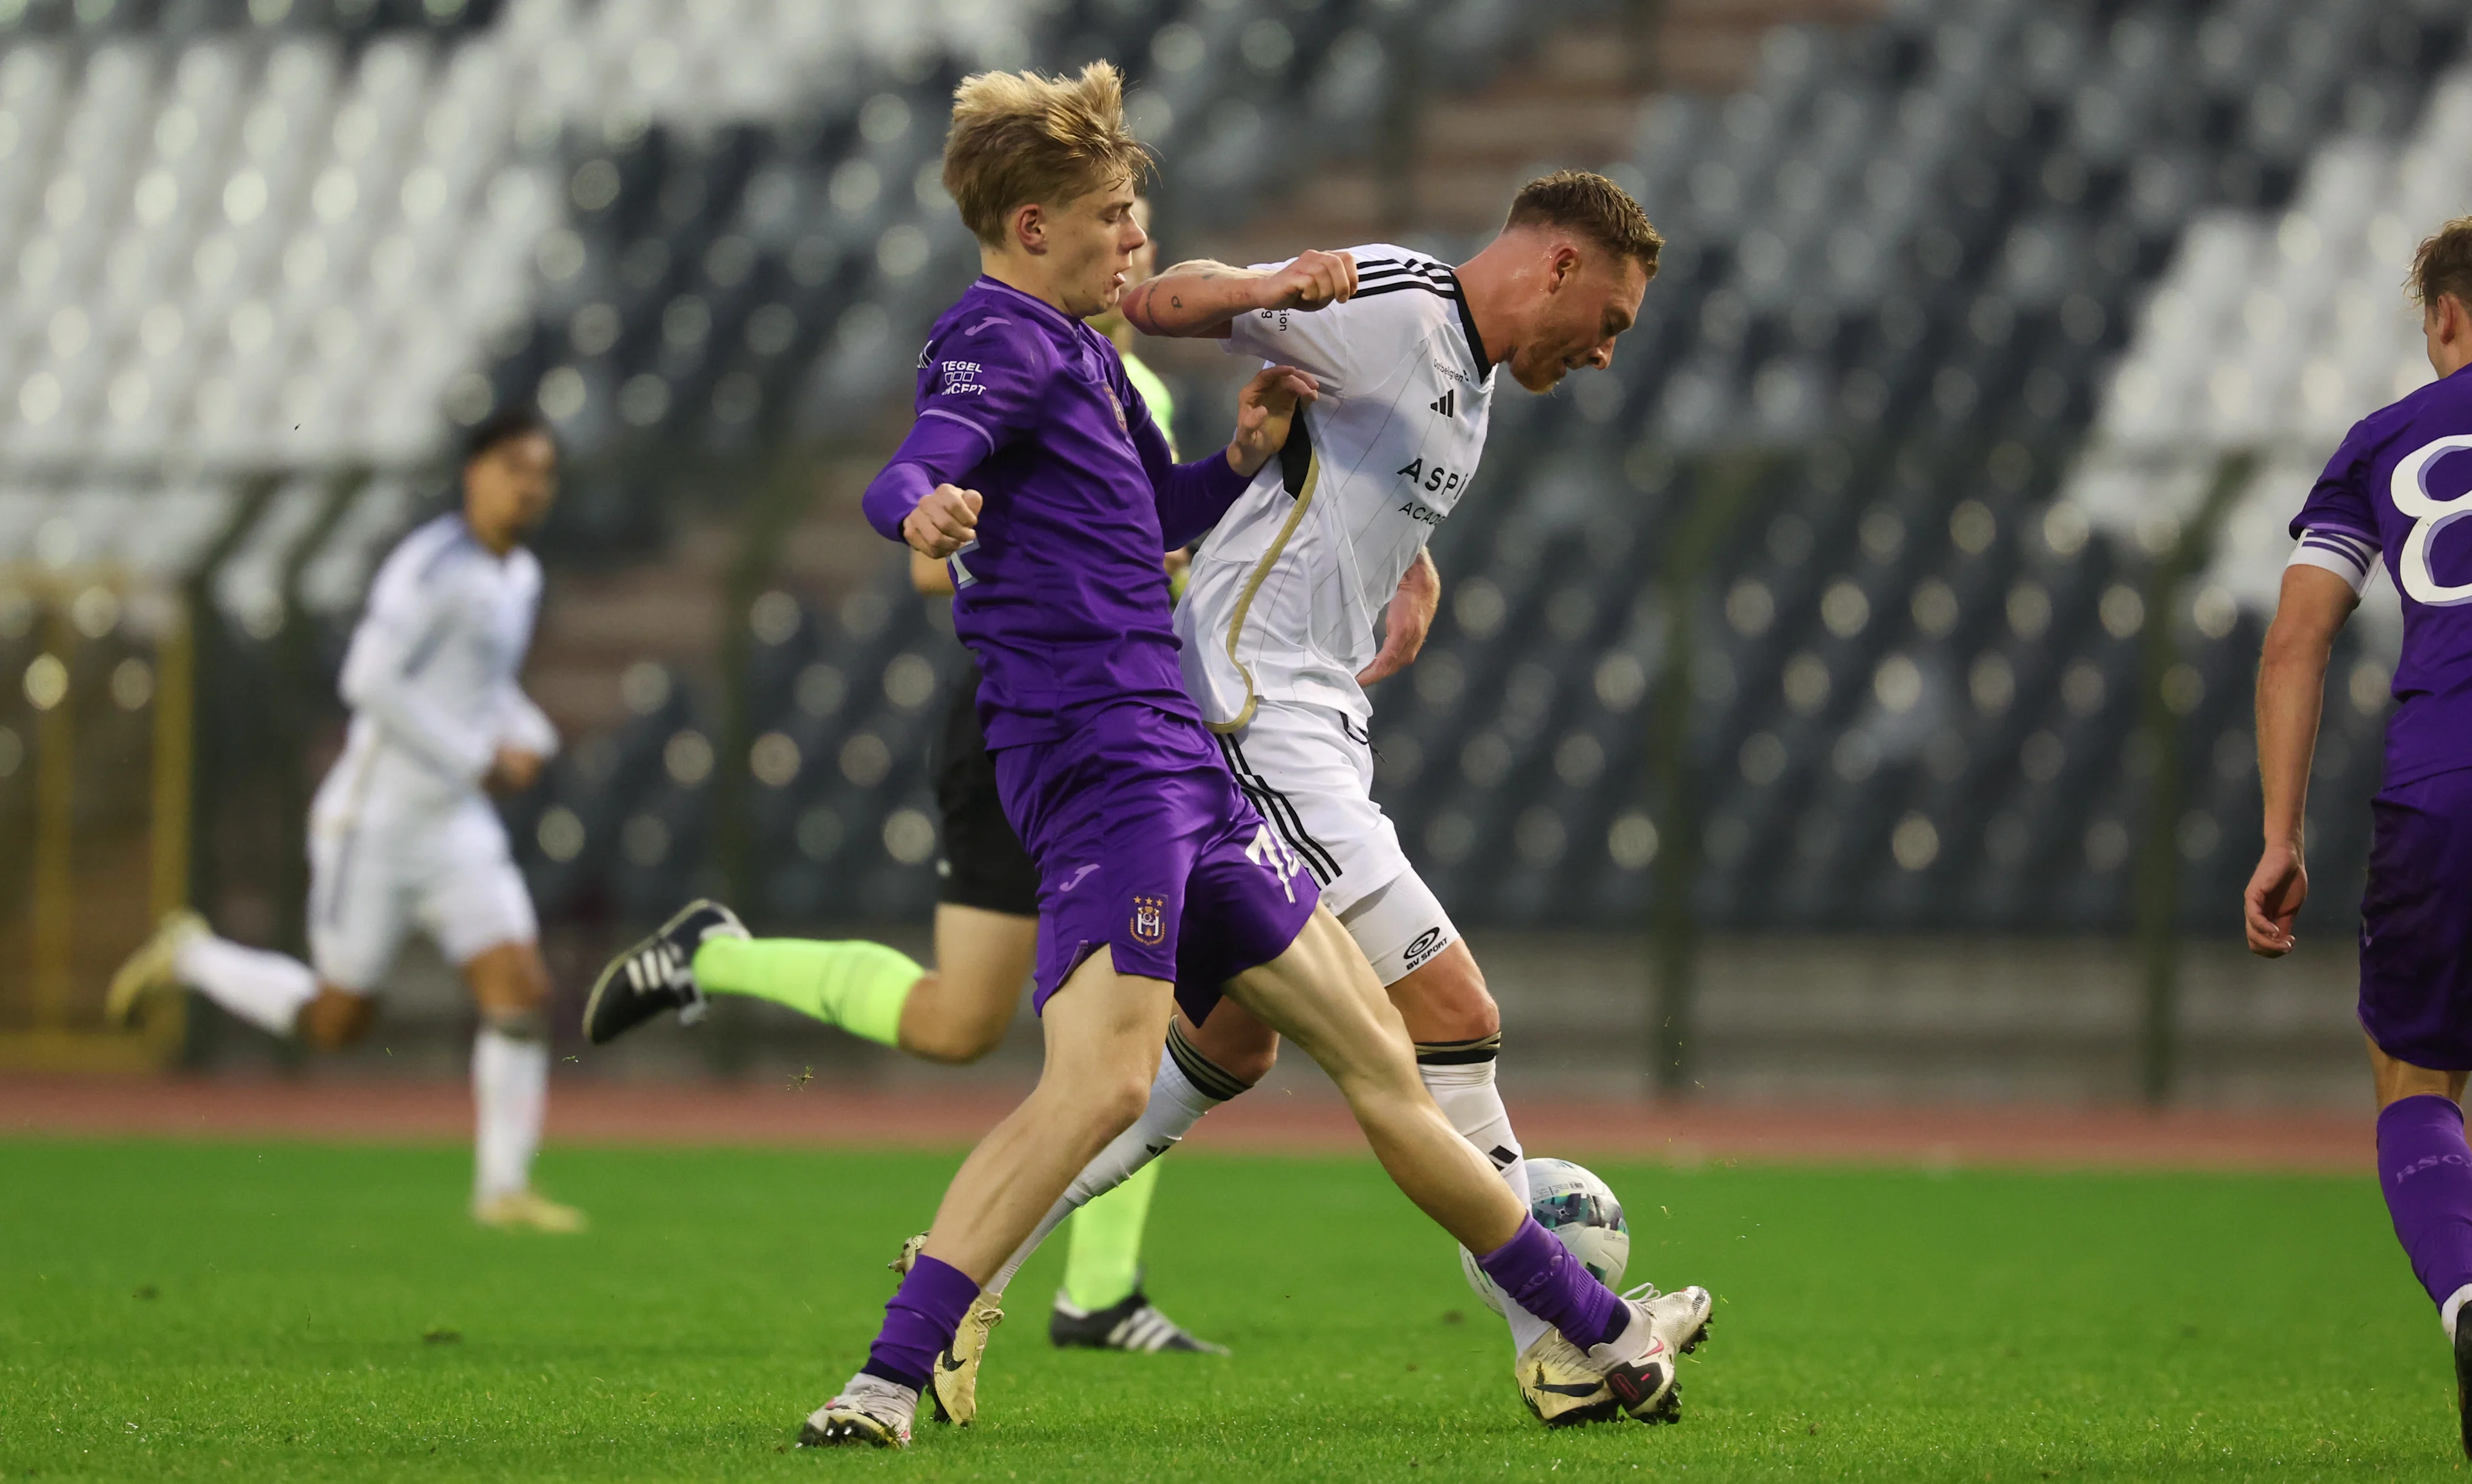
(377, 873)
(1309, 769)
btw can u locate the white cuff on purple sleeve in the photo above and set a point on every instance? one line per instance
(2346, 554)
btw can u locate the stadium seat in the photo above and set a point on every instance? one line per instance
(1946, 272)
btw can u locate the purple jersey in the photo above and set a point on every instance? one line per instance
(1061, 595)
(2403, 474)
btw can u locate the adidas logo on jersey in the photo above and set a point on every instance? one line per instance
(1447, 404)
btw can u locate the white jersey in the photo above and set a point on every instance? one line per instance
(1286, 593)
(431, 679)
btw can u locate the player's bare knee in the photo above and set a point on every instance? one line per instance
(1127, 1094)
(1238, 1045)
(1446, 999)
(1098, 1091)
(1119, 1082)
(980, 1043)
(1232, 1040)
(1100, 1103)
(508, 980)
(1471, 1008)
(528, 986)
(1251, 1064)
(2397, 1080)
(336, 1019)
(1472, 1022)
(952, 1046)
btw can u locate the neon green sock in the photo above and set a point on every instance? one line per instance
(1103, 1262)
(859, 986)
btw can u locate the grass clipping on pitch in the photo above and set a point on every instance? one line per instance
(225, 1311)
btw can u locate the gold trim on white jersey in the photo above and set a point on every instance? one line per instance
(1253, 584)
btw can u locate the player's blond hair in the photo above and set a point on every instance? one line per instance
(1019, 137)
(2444, 264)
(1587, 203)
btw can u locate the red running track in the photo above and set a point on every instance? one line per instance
(770, 1115)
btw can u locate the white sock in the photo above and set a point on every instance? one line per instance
(2447, 1313)
(1177, 1103)
(263, 988)
(509, 1092)
(1469, 1099)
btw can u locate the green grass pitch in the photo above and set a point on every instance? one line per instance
(248, 1313)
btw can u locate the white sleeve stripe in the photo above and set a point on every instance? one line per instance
(1438, 291)
(2355, 577)
(2347, 555)
(1431, 272)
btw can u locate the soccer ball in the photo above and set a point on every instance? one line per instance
(1568, 1201)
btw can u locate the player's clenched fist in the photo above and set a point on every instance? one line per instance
(1313, 279)
(943, 523)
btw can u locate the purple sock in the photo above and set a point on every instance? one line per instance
(1543, 1277)
(2426, 1169)
(919, 1321)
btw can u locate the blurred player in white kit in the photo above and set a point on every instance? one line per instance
(402, 832)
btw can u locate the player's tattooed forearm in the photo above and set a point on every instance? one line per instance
(1205, 268)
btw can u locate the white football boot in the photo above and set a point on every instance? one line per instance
(1681, 1320)
(1639, 1365)
(1560, 1385)
(870, 1410)
(1564, 1387)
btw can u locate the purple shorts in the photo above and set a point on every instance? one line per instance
(2417, 924)
(1146, 846)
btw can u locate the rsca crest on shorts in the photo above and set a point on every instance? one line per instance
(1150, 919)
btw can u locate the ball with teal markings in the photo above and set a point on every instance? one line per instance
(1582, 1212)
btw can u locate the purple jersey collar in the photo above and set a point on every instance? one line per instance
(1055, 318)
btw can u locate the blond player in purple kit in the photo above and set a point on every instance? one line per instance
(2402, 476)
(1035, 470)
